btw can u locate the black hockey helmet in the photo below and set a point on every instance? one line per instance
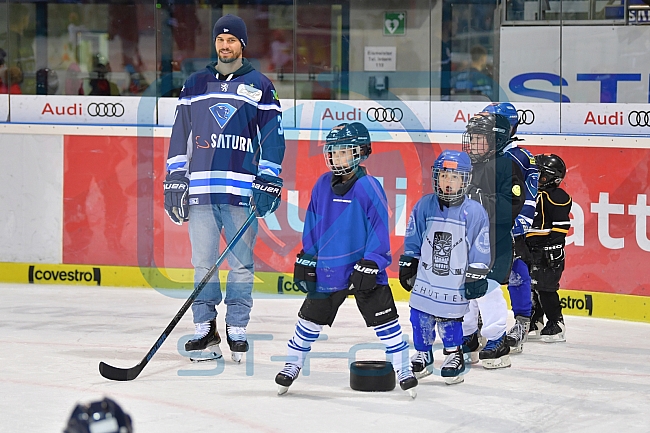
(354, 136)
(104, 416)
(551, 170)
(496, 130)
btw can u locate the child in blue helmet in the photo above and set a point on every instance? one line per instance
(445, 263)
(519, 284)
(346, 250)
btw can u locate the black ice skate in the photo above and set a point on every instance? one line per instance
(204, 346)
(236, 337)
(495, 354)
(422, 364)
(553, 332)
(408, 382)
(285, 378)
(470, 348)
(453, 366)
(518, 335)
(536, 326)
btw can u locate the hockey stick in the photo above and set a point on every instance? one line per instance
(123, 374)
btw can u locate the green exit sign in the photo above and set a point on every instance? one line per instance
(395, 23)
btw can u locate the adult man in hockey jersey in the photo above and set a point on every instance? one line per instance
(498, 184)
(519, 285)
(225, 157)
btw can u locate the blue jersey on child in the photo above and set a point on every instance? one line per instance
(343, 229)
(526, 162)
(446, 241)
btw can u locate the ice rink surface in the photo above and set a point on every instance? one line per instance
(53, 337)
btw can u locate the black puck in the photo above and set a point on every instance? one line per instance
(372, 376)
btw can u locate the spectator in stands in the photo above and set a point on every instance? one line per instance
(475, 79)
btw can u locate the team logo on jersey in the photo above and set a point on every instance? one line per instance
(222, 113)
(275, 95)
(516, 190)
(442, 246)
(250, 92)
(224, 87)
(482, 241)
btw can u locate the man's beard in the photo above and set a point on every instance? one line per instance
(230, 60)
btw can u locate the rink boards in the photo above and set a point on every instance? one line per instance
(90, 198)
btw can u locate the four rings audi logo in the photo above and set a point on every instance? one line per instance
(526, 117)
(105, 109)
(639, 118)
(384, 114)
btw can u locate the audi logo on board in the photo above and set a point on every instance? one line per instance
(639, 118)
(105, 109)
(526, 117)
(381, 114)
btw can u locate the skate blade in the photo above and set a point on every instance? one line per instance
(471, 357)
(424, 373)
(211, 354)
(412, 392)
(282, 389)
(454, 380)
(237, 356)
(517, 349)
(553, 338)
(534, 337)
(492, 364)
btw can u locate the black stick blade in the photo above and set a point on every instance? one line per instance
(120, 374)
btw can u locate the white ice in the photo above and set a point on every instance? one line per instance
(53, 338)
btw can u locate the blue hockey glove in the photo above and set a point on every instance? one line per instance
(176, 188)
(521, 226)
(408, 270)
(364, 276)
(476, 284)
(266, 192)
(304, 272)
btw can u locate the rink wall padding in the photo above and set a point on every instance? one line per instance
(280, 285)
(92, 198)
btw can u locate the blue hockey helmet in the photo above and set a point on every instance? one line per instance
(104, 416)
(452, 168)
(508, 110)
(351, 137)
(486, 134)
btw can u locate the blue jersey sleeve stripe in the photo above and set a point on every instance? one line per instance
(176, 166)
(268, 167)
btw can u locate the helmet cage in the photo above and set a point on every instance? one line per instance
(450, 197)
(335, 164)
(479, 152)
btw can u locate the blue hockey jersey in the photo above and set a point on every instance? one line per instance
(343, 229)
(225, 133)
(446, 242)
(526, 162)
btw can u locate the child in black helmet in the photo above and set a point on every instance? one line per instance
(546, 242)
